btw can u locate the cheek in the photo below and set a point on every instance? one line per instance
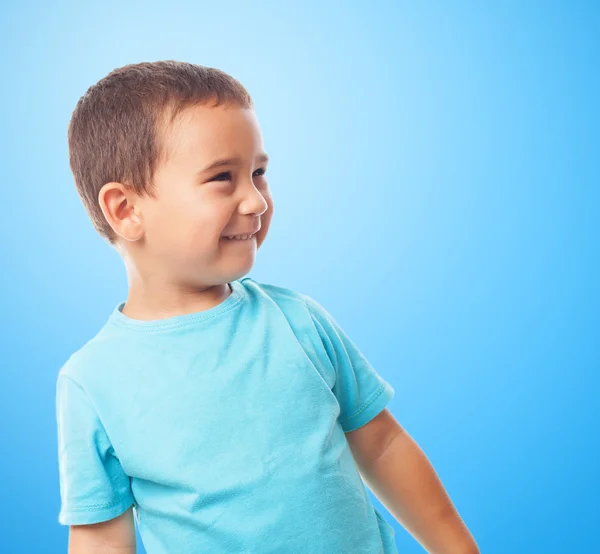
(195, 229)
(265, 222)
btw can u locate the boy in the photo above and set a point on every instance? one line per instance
(226, 415)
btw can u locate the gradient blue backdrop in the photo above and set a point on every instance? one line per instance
(435, 177)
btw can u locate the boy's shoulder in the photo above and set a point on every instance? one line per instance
(277, 292)
(80, 361)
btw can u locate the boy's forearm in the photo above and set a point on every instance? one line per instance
(114, 536)
(406, 484)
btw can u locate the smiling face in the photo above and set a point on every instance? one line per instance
(212, 185)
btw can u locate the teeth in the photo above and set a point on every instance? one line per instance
(239, 237)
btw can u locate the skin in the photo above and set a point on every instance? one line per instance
(401, 476)
(115, 536)
(176, 258)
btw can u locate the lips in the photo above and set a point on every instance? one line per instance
(238, 233)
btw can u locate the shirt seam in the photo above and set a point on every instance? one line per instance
(91, 507)
(374, 396)
(176, 325)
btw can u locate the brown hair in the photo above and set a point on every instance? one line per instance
(116, 129)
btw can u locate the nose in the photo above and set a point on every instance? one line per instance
(253, 201)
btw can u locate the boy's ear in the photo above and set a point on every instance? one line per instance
(118, 205)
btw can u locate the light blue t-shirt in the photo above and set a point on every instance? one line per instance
(224, 428)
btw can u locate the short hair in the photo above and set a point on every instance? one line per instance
(117, 129)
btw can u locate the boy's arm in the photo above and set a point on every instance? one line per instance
(397, 471)
(115, 536)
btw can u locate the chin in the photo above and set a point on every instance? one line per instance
(234, 276)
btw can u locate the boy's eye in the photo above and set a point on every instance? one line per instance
(227, 174)
(217, 178)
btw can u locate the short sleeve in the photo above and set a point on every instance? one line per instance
(93, 485)
(361, 392)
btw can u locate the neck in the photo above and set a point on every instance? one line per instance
(148, 303)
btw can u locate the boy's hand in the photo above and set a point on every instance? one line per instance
(401, 477)
(115, 536)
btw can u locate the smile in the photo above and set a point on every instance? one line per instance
(240, 237)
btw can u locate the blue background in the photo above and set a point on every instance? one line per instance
(435, 178)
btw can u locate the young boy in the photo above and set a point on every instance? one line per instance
(226, 415)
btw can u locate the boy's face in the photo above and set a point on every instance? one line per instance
(196, 207)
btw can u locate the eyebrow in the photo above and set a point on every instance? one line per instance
(261, 158)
